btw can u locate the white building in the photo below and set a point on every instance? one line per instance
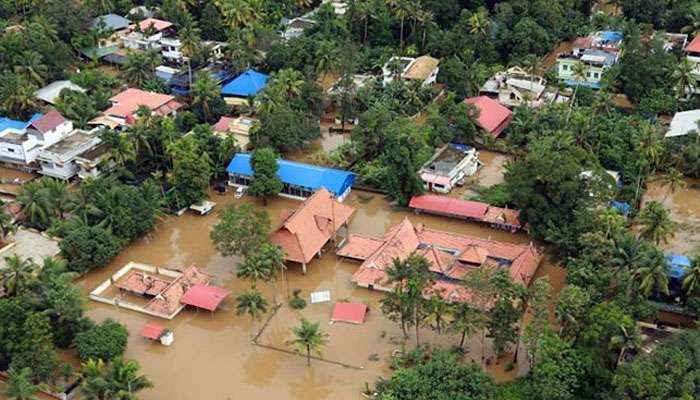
(449, 167)
(423, 69)
(147, 34)
(514, 87)
(21, 143)
(60, 160)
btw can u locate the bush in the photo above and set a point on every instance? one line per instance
(106, 341)
(297, 303)
(89, 247)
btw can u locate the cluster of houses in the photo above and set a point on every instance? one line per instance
(49, 144)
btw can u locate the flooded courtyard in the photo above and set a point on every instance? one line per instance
(213, 356)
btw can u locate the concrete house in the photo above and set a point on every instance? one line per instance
(147, 34)
(449, 167)
(493, 118)
(514, 87)
(239, 127)
(125, 104)
(597, 52)
(22, 142)
(692, 51)
(60, 160)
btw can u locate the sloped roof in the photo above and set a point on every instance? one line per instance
(223, 124)
(449, 205)
(152, 331)
(127, 103)
(48, 121)
(694, 45)
(305, 175)
(158, 24)
(310, 226)
(50, 92)
(421, 68)
(493, 117)
(683, 123)
(207, 297)
(246, 84)
(451, 256)
(110, 22)
(353, 313)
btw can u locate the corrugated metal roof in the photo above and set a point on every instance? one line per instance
(493, 117)
(247, 84)
(110, 22)
(305, 175)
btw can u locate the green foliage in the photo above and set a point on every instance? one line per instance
(115, 380)
(191, 171)
(241, 229)
(265, 182)
(77, 107)
(106, 341)
(89, 247)
(297, 302)
(20, 386)
(284, 129)
(308, 338)
(34, 348)
(251, 303)
(206, 99)
(442, 377)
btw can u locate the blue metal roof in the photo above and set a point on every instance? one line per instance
(305, 175)
(611, 36)
(678, 265)
(246, 84)
(7, 123)
(574, 82)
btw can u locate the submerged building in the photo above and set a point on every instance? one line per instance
(299, 180)
(449, 167)
(451, 258)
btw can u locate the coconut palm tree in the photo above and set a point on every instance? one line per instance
(425, 18)
(7, 225)
(30, 64)
(251, 303)
(308, 338)
(327, 57)
(20, 386)
(401, 10)
(674, 180)
(35, 203)
(101, 6)
(691, 280)
(140, 67)
(190, 38)
(652, 273)
(364, 11)
(624, 341)
(58, 195)
(205, 96)
(263, 264)
(693, 26)
(18, 274)
(118, 380)
(580, 72)
(479, 23)
(656, 223)
(17, 95)
(684, 77)
(289, 82)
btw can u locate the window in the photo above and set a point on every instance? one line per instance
(596, 75)
(438, 186)
(10, 150)
(564, 67)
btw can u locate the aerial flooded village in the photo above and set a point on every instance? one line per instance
(349, 199)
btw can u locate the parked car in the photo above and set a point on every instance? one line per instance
(240, 191)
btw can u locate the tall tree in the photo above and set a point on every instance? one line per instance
(191, 171)
(206, 99)
(251, 303)
(18, 274)
(265, 182)
(240, 230)
(20, 386)
(656, 223)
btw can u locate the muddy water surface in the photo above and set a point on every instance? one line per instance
(213, 357)
(684, 207)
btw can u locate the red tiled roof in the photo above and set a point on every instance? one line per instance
(158, 24)
(223, 124)
(360, 248)
(582, 42)
(204, 296)
(304, 232)
(694, 45)
(48, 121)
(353, 313)
(450, 255)
(449, 205)
(493, 117)
(168, 301)
(152, 331)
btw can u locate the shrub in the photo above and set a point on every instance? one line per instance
(106, 341)
(297, 303)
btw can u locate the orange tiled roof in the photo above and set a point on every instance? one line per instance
(304, 232)
(451, 256)
(127, 103)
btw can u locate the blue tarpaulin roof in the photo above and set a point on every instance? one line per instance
(678, 264)
(621, 207)
(7, 123)
(305, 175)
(611, 36)
(246, 84)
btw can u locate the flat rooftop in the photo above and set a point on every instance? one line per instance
(446, 160)
(70, 143)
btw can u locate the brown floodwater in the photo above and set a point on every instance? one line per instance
(213, 356)
(489, 173)
(684, 208)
